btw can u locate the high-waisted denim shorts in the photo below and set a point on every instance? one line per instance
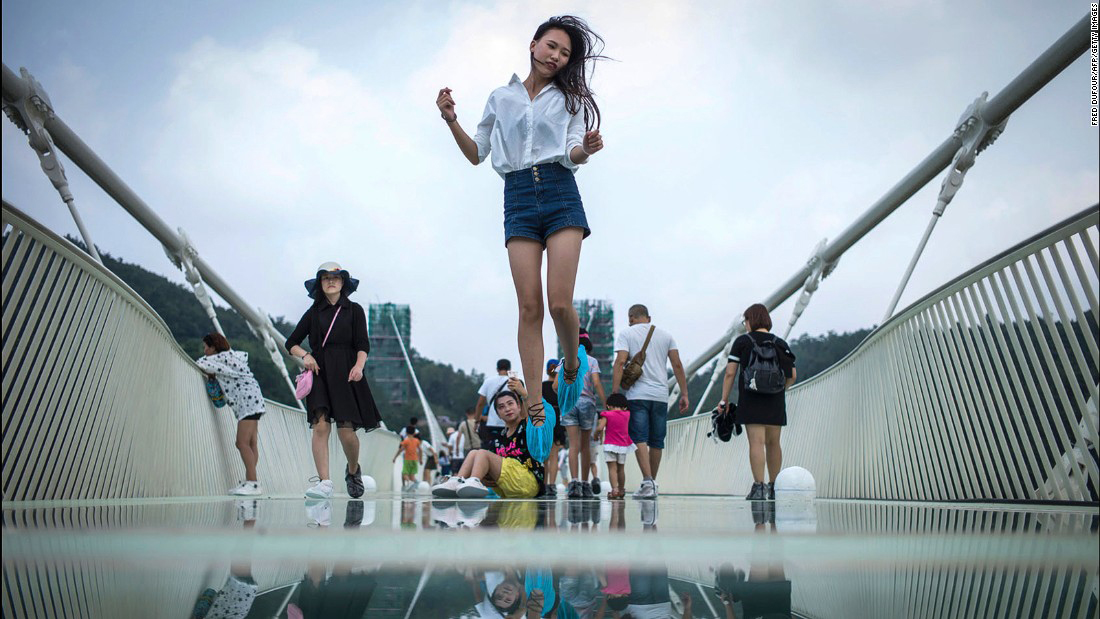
(541, 200)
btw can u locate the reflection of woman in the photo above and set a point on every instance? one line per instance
(340, 395)
(234, 601)
(505, 594)
(766, 594)
(539, 130)
(242, 393)
(343, 595)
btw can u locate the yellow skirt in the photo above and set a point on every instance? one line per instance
(516, 482)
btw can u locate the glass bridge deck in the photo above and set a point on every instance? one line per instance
(410, 556)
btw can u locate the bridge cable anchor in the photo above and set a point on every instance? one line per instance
(975, 134)
(819, 270)
(30, 114)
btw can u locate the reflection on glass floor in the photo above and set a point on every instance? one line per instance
(394, 556)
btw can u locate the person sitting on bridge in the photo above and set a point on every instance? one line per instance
(242, 393)
(767, 371)
(337, 332)
(515, 468)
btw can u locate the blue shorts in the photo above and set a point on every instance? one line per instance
(583, 414)
(541, 200)
(648, 422)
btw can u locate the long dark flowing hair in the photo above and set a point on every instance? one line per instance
(572, 80)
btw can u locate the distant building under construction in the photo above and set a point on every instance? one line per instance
(386, 368)
(598, 317)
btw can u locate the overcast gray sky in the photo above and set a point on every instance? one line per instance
(281, 135)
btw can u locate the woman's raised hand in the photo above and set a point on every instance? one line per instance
(534, 603)
(446, 104)
(515, 385)
(310, 363)
(593, 142)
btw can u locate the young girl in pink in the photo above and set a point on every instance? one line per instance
(612, 429)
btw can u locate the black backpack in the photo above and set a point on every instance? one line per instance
(724, 427)
(762, 373)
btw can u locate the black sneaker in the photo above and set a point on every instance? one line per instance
(575, 491)
(757, 493)
(354, 482)
(770, 491)
(586, 490)
(596, 486)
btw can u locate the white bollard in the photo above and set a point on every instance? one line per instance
(795, 482)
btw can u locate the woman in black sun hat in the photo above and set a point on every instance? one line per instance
(337, 332)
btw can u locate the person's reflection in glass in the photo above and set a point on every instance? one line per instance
(511, 593)
(618, 516)
(236, 597)
(359, 514)
(343, 594)
(408, 513)
(648, 598)
(765, 592)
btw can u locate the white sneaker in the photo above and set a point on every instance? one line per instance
(248, 488)
(646, 491)
(320, 512)
(472, 488)
(447, 489)
(323, 490)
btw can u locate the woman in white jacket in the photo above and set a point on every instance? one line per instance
(242, 393)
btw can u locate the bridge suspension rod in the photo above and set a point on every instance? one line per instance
(1038, 74)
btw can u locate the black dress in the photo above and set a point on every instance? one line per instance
(341, 401)
(768, 409)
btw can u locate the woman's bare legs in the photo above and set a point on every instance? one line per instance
(482, 464)
(319, 442)
(563, 255)
(247, 444)
(578, 450)
(756, 434)
(774, 451)
(552, 465)
(349, 440)
(525, 259)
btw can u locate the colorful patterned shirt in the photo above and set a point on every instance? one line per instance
(515, 447)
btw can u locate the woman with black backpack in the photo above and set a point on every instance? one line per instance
(767, 370)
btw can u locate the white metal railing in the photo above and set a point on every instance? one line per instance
(984, 389)
(100, 401)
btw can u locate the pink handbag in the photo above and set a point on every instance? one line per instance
(303, 383)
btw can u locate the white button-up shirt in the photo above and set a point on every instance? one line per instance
(522, 132)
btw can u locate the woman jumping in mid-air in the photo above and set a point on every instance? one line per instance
(539, 131)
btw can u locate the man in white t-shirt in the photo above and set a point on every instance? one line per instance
(491, 423)
(648, 397)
